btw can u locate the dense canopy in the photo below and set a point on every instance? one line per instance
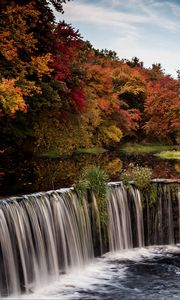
(58, 92)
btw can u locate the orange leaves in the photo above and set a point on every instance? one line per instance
(22, 66)
(11, 97)
(99, 80)
(18, 44)
(107, 83)
(7, 47)
(103, 104)
(19, 19)
(12, 93)
(91, 96)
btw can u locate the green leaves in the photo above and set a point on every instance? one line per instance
(96, 180)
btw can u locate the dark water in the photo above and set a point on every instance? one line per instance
(147, 273)
(151, 278)
(22, 174)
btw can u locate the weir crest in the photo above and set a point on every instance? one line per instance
(45, 235)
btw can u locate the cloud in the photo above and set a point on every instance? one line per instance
(148, 29)
(127, 14)
(159, 14)
(174, 8)
(97, 14)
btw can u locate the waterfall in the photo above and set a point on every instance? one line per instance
(120, 234)
(121, 216)
(44, 235)
(41, 236)
(179, 211)
(136, 197)
(161, 216)
(96, 224)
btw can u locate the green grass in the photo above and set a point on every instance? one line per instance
(139, 148)
(91, 150)
(169, 154)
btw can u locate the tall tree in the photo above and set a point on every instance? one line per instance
(162, 108)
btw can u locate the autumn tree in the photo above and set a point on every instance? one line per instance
(26, 41)
(59, 92)
(162, 108)
(134, 62)
(21, 66)
(67, 65)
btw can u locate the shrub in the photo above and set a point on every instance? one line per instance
(140, 175)
(81, 187)
(96, 180)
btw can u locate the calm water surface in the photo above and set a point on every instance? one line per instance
(22, 175)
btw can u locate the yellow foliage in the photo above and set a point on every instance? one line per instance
(177, 168)
(113, 133)
(65, 137)
(128, 81)
(18, 27)
(93, 114)
(16, 37)
(113, 167)
(40, 64)
(11, 97)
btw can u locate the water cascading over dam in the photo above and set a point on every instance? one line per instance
(45, 235)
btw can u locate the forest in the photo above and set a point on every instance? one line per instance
(57, 92)
(89, 160)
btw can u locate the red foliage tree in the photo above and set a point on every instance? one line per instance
(66, 44)
(66, 63)
(79, 99)
(162, 107)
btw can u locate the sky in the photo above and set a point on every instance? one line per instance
(148, 29)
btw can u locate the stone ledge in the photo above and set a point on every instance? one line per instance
(157, 180)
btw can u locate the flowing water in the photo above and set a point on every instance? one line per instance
(151, 273)
(42, 235)
(48, 241)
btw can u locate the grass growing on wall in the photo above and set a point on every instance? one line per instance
(96, 180)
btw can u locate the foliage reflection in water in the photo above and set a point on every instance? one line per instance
(20, 175)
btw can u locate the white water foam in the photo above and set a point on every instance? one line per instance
(97, 274)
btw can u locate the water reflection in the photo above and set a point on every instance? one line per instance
(66, 172)
(162, 168)
(20, 175)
